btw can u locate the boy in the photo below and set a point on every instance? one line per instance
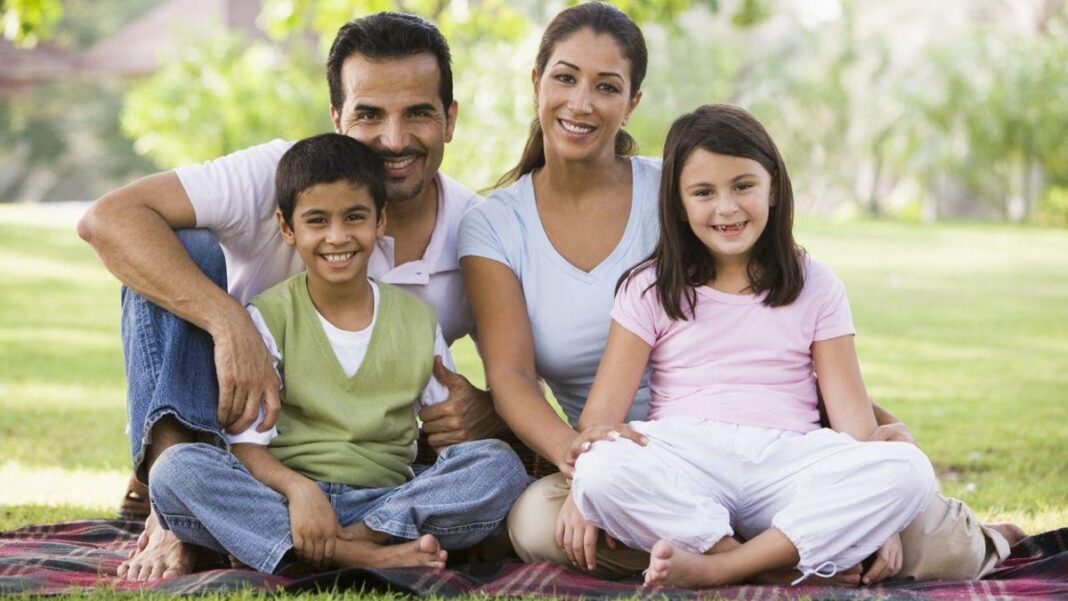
(333, 485)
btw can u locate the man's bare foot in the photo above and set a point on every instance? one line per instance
(424, 552)
(1010, 531)
(159, 554)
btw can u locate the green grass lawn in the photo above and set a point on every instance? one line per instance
(963, 333)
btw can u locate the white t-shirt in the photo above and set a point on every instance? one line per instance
(567, 307)
(233, 197)
(350, 348)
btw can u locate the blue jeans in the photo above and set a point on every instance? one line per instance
(170, 363)
(206, 497)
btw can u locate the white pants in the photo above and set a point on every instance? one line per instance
(836, 499)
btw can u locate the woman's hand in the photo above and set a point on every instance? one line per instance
(313, 525)
(584, 441)
(888, 560)
(576, 536)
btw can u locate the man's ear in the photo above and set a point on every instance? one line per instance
(283, 227)
(450, 123)
(380, 228)
(335, 116)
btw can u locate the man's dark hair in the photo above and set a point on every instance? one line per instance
(385, 36)
(325, 159)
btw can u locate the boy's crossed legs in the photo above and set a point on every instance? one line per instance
(207, 498)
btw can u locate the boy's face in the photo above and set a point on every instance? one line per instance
(334, 230)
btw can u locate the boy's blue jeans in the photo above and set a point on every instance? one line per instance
(207, 497)
(170, 363)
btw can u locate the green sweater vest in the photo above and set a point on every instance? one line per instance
(359, 431)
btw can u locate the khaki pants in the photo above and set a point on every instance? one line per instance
(946, 542)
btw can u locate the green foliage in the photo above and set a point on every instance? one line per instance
(25, 22)
(224, 94)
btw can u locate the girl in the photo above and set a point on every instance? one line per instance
(735, 320)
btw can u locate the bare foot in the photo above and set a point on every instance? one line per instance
(159, 554)
(424, 552)
(1010, 531)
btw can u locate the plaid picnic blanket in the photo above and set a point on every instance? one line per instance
(65, 558)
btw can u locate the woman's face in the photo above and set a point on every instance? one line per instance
(583, 96)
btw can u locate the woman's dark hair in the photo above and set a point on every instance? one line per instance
(602, 19)
(325, 159)
(681, 260)
(386, 36)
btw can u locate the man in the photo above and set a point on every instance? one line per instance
(194, 360)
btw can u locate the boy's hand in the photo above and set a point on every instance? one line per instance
(313, 525)
(467, 415)
(587, 437)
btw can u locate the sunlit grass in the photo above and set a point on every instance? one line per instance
(962, 332)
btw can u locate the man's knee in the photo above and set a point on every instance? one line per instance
(206, 253)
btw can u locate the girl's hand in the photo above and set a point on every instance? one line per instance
(887, 561)
(584, 441)
(576, 536)
(314, 526)
(896, 432)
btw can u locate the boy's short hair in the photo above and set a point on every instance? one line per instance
(325, 159)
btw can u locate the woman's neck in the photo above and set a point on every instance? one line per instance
(575, 180)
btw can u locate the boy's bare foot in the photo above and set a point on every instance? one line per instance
(424, 552)
(1010, 531)
(159, 554)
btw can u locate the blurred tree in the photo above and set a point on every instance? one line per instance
(27, 21)
(223, 96)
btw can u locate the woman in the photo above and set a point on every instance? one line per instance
(541, 258)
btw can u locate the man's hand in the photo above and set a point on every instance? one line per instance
(467, 414)
(246, 377)
(888, 561)
(895, 432)
(313, 525)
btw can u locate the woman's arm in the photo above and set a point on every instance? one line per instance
(507, 348)
(838, 372)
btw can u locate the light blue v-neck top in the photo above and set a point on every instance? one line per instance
(568, 308)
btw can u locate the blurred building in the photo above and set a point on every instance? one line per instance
(136, 50)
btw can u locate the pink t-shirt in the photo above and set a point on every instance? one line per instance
(737, 360)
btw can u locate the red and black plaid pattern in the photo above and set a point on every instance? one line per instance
(64, 558)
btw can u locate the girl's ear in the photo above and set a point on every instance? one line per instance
(283, 227)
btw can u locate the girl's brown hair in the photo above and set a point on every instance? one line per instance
(681, 260)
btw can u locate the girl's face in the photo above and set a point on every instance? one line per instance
(726, 200)
(583, 97)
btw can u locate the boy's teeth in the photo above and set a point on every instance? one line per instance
(337, 258)
(576, 129)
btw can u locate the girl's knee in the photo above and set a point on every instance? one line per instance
(606, 471)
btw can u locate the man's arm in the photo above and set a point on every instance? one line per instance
(132, 230)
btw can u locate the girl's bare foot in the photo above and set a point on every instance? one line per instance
(1010, 531)
(424, 552)
(159, 554)
(674, 567)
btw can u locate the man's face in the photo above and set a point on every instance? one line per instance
(393, 106)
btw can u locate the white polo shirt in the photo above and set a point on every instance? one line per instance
(233, 197)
